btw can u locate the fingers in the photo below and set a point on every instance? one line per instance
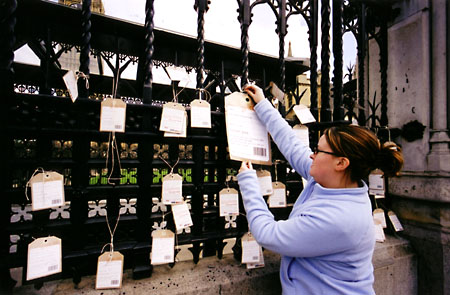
(246, 165)
(254, 92)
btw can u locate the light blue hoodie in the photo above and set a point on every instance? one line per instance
(328, 240)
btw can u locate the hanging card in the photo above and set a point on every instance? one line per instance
(47, 190)
(265, 182)
(395, 221)
(278, 198)
(228, 202)
(70, 79)
(172, 117)
(247, 136)
(258, 264)
(376, 183)
(302, 133)
(112, 115)
(44, 257)
(183, 133)
(378, 214)
(109, 271)
(200, 114)
(250, 249)
(181, 216)
(304, 114)
(276, 92)
(379, 232)
(163, 245)
(172, 189)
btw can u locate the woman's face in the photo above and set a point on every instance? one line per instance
(323, 165)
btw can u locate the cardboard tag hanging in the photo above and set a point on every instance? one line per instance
(47, 190)
(250, 249)
(113, 115)
(183, 133)
(109, 271)
(302, 133)
(265, 182)
(376, 184)
(258, 264)
(172, 189)
(304, 114)
(44, 257)
(395, 221)
(247, 137)
(200, 114)
(379, 232)
(163, 247)
(70, 79)
(228, 202)
(172, 117)
(378, 214)
(181, 216)
(278, 198)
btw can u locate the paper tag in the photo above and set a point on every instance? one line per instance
(250, 249)
(172, 189)
(163, 244)
(70, 79)
(258, 264)
(172, 118)
(109, 271)
(379, 232)
(112, 115)
(247, 136)
(376, 183)
(228, 202)
(378, 214)
(181, 216)
(200, 114)
(47, 190)
(278, 198)
(395, 221)
(44, 257)
(183, 132)
(304, 114)
(276, 92)
(302, 133)
(265, 182)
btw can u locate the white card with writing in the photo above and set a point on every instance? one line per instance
(70, 79)
(181, 216)
(109, 271)
(265, 182)
(200, 114)
(183, 133)
(44, 257)
(228, 202)
(113, 115)
(302, 133)
(376, 183)
(378, 214)
(250, 249)
(172, 118)
(395, 221)
(47, 190)
(379, 232)
(163, 244)
(278, 198)
(247, 136)
(258, 264)
(172, 189)
(304, 114)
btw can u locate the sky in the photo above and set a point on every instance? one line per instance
(222, 26)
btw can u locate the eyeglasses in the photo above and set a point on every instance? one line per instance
(316, 151)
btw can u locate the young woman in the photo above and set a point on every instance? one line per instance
(328, 240)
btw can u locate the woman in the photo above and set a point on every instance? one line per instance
(328, 240)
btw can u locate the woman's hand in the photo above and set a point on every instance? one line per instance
(255, 93)
(246, 165)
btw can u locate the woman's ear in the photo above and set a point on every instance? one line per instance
(342, 163)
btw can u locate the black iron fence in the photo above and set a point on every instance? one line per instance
(42, 127)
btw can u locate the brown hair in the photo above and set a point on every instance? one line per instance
(364, 151)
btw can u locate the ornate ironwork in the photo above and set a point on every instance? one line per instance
(325, 111)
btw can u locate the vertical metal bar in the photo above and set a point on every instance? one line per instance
(149, 49)
(338, 113)
(201, 7)
(281, 30)
(244, 19)
(361, 65)
(313, 57)
(383, 69)
(325, 112)
(85, 46)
